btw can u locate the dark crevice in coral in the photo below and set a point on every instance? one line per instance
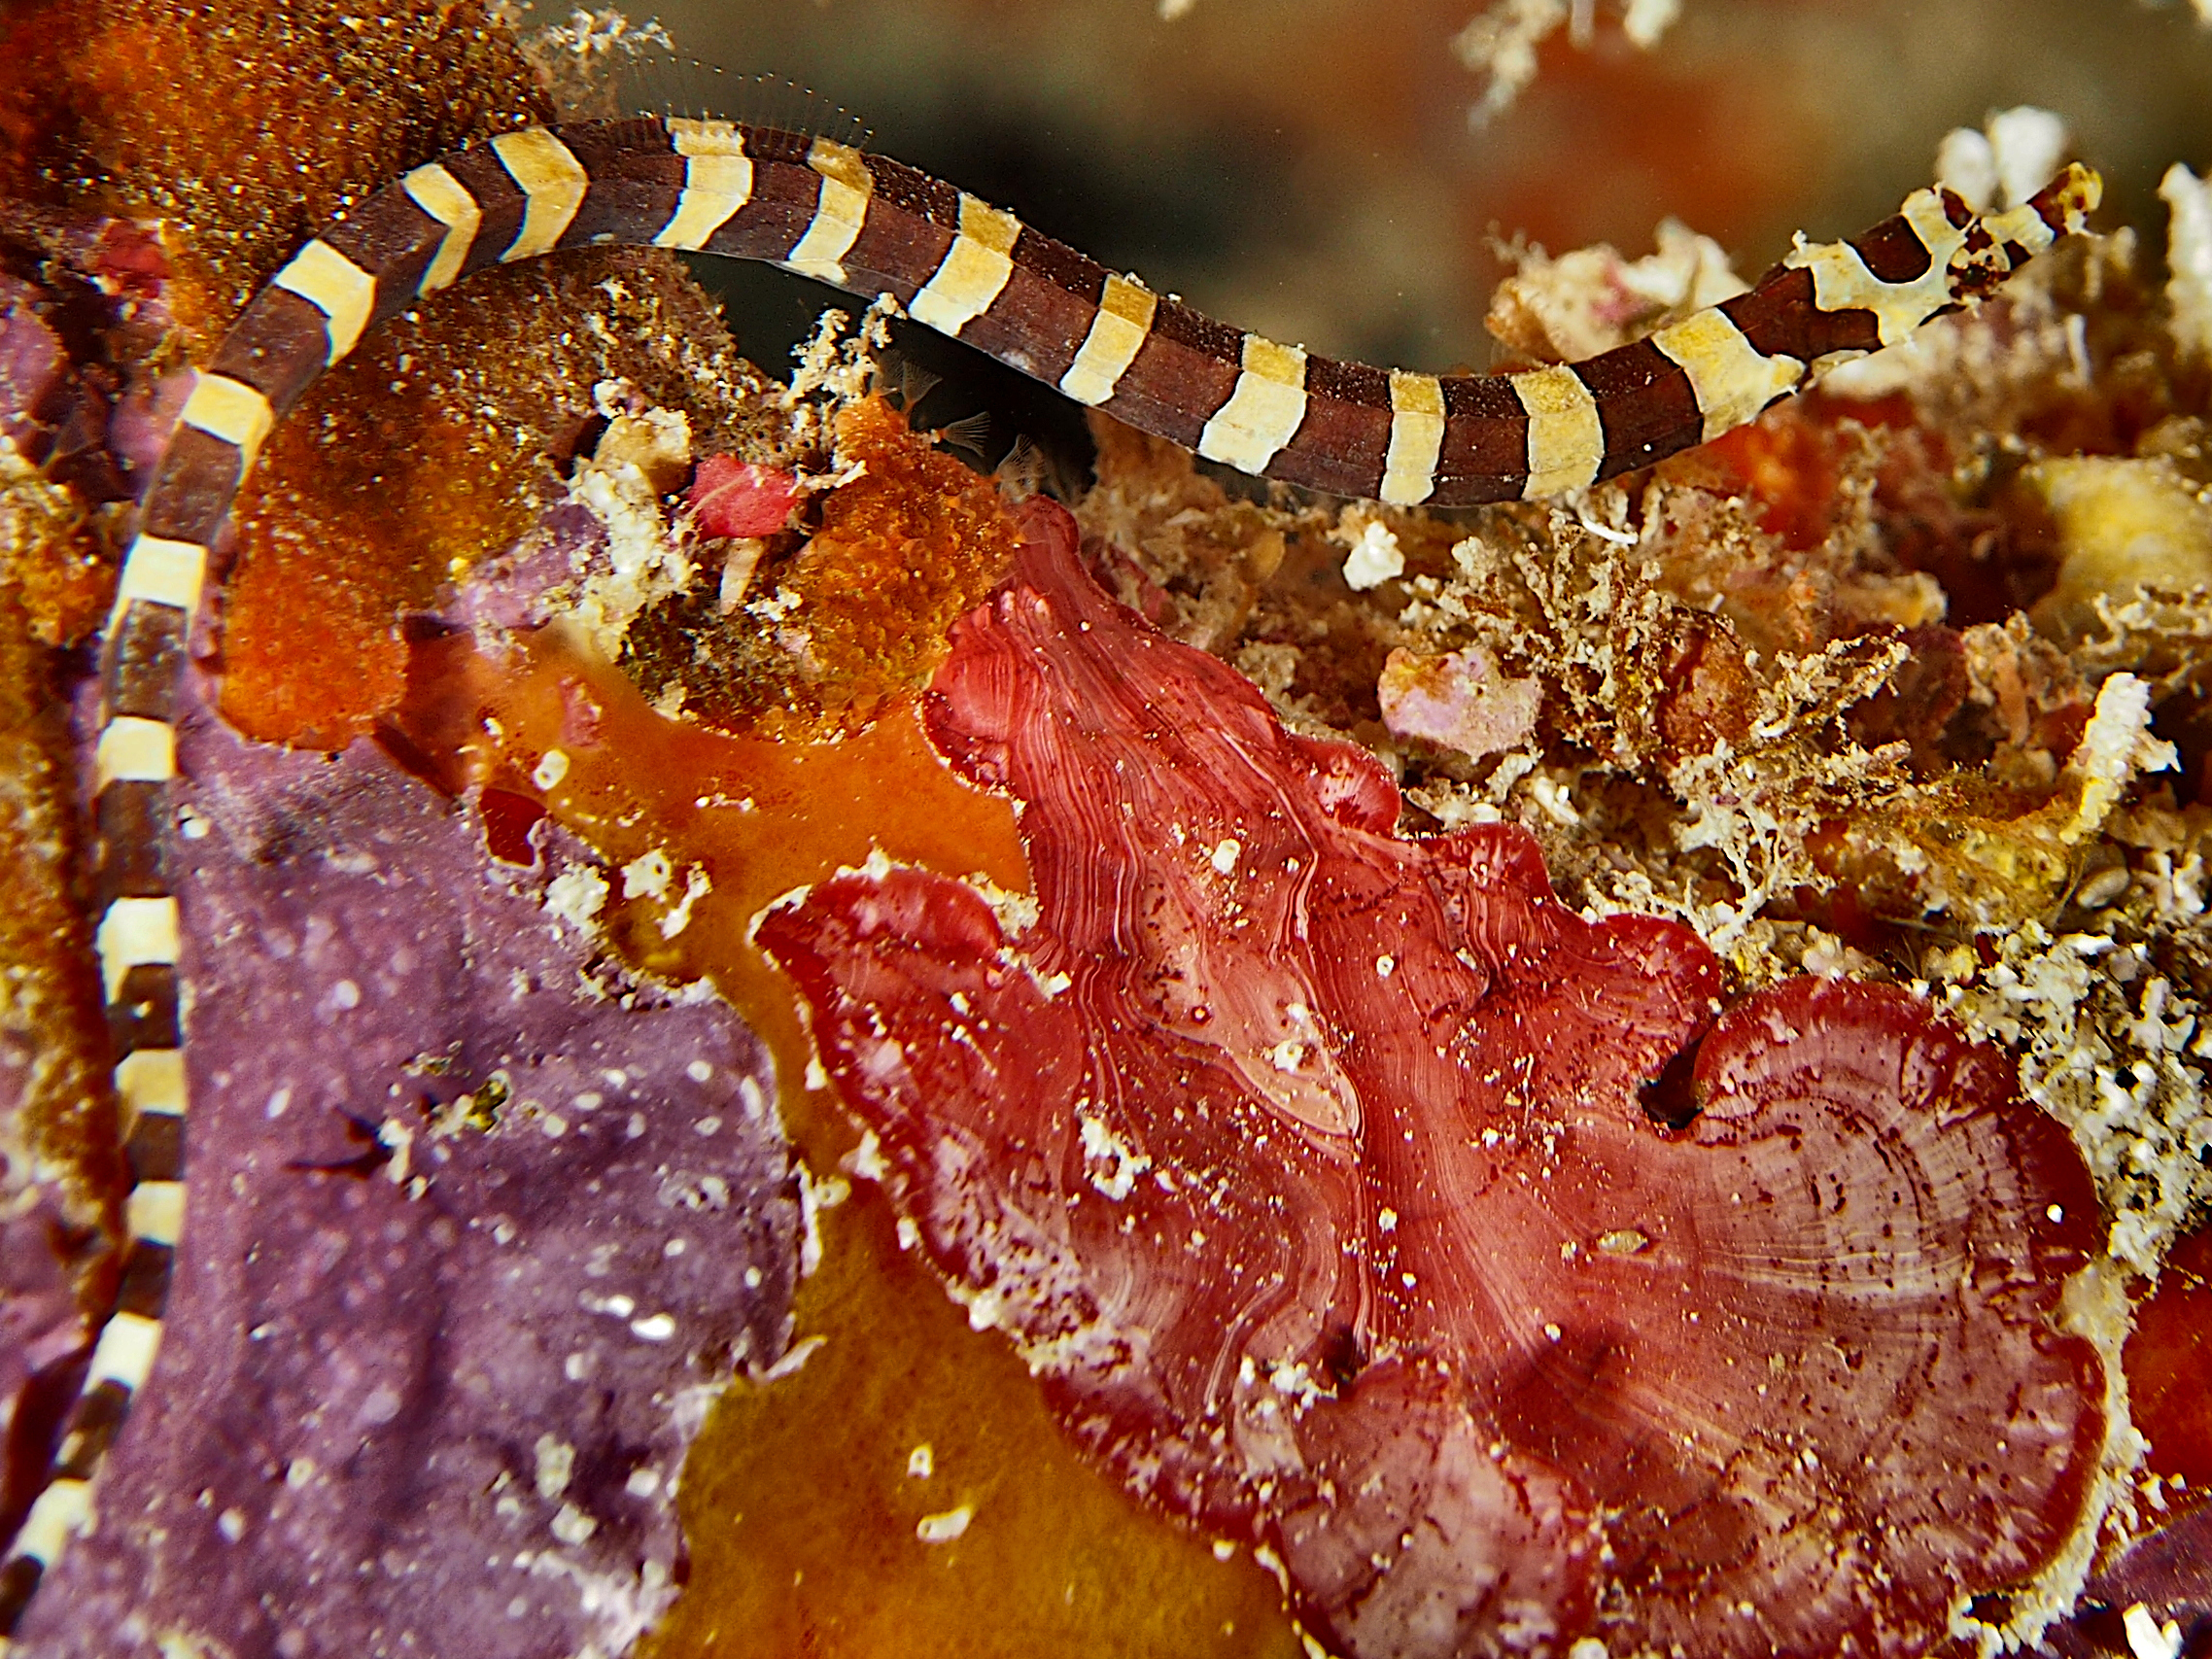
(1670, 1100)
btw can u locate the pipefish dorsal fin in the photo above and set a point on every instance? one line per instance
(665, 86)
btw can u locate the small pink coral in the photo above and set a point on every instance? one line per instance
(1458, 701)
(729, 497)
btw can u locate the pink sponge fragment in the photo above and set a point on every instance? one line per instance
(729, 497)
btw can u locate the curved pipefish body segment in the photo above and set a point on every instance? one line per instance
(968, 269)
